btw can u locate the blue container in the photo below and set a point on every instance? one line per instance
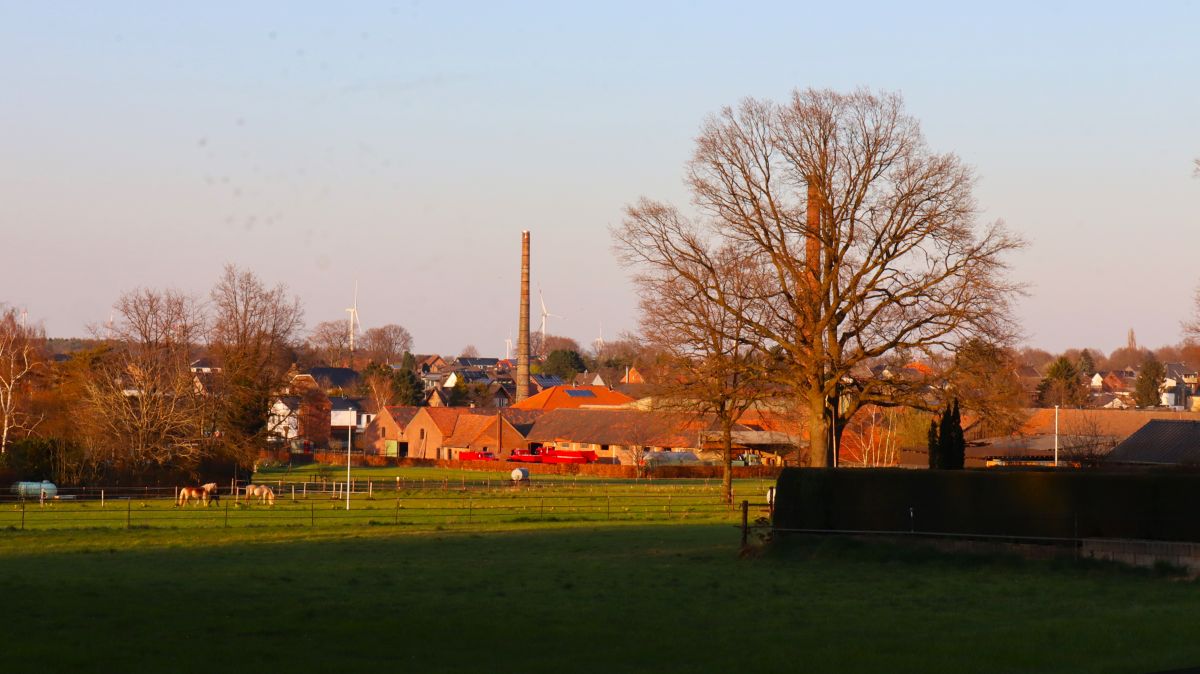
(34, 489)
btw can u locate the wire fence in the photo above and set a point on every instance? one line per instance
(382, 488)
(415, 508)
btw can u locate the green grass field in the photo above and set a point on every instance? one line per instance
(574, 597)
(422, 502)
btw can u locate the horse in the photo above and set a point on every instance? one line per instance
(264, 493)
(204, 493)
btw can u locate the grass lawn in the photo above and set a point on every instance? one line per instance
(566, 598)
(437, 504)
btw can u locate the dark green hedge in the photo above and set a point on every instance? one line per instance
(1061, 504)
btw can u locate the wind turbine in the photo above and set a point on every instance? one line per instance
(545, 314)
(508, 347)
(599, 341)
(353, 311)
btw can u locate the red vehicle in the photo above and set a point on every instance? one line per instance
(476, 456)
(551, 455)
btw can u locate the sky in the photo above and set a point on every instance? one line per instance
(406, 145)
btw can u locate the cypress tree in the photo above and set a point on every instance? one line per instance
(934, 445)
(956, 449)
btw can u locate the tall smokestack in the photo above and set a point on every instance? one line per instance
(523, 326)
(812, 239)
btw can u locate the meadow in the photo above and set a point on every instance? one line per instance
(579, 597)
(417, 498)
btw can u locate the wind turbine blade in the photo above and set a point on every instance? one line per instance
(542, 299)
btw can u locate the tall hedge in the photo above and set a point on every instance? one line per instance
(1058, 504)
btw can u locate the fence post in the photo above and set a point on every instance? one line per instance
(304, 488)
(22, 514)
(912, 520)
(396, 517)
(101, 498)
(128, 512)
(293, 493)
(227, 514)
(542, 506)
(745, 523)
(370, 490)
(312, 514)
(668, 506)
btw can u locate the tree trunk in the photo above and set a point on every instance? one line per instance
(818, 431)
(727, 460)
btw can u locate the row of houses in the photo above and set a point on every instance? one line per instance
(617, 435)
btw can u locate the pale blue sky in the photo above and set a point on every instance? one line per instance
(407, 144)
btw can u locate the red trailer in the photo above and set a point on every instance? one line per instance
(550, 455)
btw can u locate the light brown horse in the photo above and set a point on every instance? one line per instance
(264, 493)
(202, 494)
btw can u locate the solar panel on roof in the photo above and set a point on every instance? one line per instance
(582, 393)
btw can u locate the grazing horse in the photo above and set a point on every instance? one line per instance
(202, 494)
(264, 493)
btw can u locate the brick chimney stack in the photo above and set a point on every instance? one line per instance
(523, 325)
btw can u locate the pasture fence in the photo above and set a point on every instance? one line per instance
(406, 507)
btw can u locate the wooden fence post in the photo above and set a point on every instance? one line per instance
(22, 514)
(745, 523)
(227, 514)
(128, 512)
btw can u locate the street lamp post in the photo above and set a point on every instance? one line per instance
(1056, 436)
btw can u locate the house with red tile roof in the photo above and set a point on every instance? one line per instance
(484, 433)
(384, 436)
(444, 432)
(571, 397)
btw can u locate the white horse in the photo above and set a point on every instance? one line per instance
(264, 493)
(202, 494)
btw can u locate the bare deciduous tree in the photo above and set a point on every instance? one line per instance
(386, 344)
(20, 359)
(1191, 329)
(1085, 440)
(252, 331)
(710, 364)
(141, 404)
(331, 341)
(865, 241)
(870, 438)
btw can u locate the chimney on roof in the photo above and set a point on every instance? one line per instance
(523, 324)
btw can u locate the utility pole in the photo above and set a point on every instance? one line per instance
(1056, 436)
